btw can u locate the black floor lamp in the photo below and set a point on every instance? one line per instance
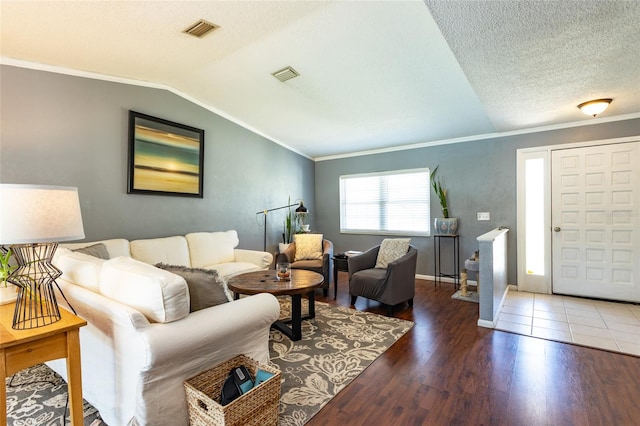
(301, 209)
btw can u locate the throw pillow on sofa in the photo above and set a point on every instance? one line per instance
(158, 294)
(96, 250)
(308, 246)
(391, 249)
(206, 289)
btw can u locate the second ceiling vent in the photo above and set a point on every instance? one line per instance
(285, 74)
(200, 28)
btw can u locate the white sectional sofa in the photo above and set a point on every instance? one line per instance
(141, 340)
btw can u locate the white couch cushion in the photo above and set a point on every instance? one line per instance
(169, 250)
(79, 268)
(209, 248)
(160, 295)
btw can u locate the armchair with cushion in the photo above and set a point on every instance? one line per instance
(389, 285)
(312, 253)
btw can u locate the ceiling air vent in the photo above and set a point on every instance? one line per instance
(285, 74)
(200, 28)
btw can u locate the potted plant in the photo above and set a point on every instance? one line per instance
(289, 223)
(444, 225)
(7, 290)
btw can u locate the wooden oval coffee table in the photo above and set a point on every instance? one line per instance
(302, 282)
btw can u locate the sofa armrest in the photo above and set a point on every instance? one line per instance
(111, 346)
(404, 268)
(182, 349)
(327, 264)
(401, 278)
(199, 335)
(261, 258)
(98, 309)
(289, 254)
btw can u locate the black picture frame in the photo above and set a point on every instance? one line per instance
(165, 158)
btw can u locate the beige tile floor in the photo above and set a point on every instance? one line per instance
(600, 324)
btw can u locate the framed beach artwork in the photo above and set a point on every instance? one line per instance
(165, 158)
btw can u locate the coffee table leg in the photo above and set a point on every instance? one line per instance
(335, 281)
(295, 331)
(296, 317)
(312, 305)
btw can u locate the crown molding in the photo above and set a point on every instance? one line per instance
(494, 135)
(123, 80)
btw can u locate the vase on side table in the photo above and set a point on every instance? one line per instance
(283, 246)
(8, 293)
(446, 225)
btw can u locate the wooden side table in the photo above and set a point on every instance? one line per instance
(20, 349)
(339, 264)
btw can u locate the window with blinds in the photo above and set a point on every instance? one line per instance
(389, 203)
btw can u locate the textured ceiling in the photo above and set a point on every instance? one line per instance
(374, 75)
(529, 62)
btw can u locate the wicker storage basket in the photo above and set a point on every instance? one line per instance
(257, 407)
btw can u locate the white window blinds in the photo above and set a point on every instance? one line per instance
(389, 203)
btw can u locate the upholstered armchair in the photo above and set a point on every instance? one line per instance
(391, 285)
(321, 263)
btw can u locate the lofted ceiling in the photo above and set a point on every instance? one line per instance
(374, 75)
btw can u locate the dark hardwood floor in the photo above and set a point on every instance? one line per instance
(448, 371)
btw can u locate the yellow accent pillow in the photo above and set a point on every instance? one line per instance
(308, 246)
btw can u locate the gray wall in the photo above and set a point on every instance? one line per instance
(66, 130)
(479, 175)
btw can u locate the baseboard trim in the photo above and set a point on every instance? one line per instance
(486, 324)
(472, 283)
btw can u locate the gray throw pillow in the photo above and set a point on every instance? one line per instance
(206, 289)
(97, 250)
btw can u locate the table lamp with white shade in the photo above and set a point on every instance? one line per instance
(33, 219)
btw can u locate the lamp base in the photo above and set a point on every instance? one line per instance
(36, 305)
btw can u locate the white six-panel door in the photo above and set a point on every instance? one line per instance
(595, 217)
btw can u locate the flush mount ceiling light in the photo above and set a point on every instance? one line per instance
(200, 28)
(595, 106)
(285, 74)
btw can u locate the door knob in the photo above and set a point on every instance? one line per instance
(556, 229)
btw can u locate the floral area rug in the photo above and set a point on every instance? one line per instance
(38, 396)
(335, 347)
